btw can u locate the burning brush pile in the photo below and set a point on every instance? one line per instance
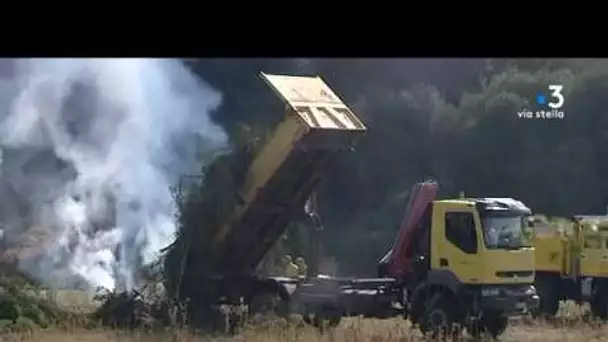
(133, 309)
(203, 206)
(146, 307)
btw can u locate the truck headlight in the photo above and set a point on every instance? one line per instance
(490, 291)
(531, 291)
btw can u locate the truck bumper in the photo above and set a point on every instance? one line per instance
(511, 302)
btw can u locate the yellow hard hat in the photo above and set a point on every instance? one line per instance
(288, 257)
(300, 260)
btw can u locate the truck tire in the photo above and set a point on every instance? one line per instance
(495, 325)
(599, 302)
(549, 298)
(492, 325)
(326, 317)
(599, 307)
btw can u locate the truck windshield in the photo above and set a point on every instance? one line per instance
(502, 232)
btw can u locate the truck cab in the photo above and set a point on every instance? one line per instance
(476, 267)
(481, 242)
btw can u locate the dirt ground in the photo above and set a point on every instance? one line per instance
(351, 330)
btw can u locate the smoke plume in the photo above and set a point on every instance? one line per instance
(90, 150)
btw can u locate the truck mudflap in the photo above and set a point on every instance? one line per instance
(509, 301)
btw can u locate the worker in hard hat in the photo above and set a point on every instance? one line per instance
(291, 269)
(302, 268)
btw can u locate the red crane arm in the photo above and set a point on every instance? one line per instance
(398, 261)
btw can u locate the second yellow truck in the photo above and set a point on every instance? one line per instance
(572, 264)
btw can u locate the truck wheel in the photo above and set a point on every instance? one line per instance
(330, 319)
(549, 299)
(493, 325)
(324, 317)
(599, 305)
(496, 325)
(439, 317)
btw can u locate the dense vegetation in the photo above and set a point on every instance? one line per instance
(452, 120)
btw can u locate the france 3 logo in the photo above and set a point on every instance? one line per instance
(549, 104)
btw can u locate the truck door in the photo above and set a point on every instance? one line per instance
(591, 255)
(455, 242)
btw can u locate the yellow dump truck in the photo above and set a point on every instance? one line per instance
(316, 128)
(572, 264)
(443, 268)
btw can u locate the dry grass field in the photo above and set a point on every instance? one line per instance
(569, 326)
(352, 330)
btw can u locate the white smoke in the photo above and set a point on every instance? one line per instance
(126, 128)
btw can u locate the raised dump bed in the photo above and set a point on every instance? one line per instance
(317, 126)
